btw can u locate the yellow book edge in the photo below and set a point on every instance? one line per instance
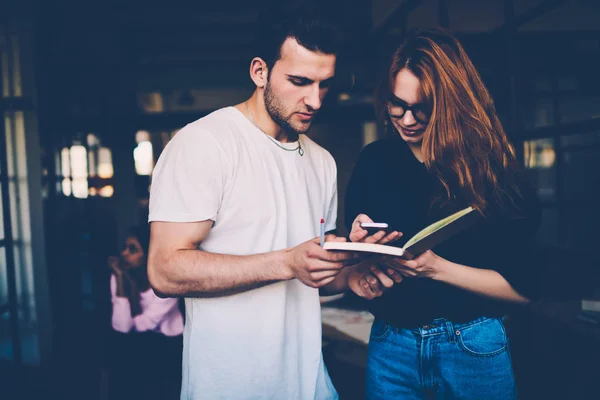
(397, 251)
(436, 226)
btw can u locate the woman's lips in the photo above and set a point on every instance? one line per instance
(409, 132)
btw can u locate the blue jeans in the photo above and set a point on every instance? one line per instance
(440, 361)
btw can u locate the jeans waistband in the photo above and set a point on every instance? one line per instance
(441, 326)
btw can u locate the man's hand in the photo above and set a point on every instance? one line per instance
(314, 266)
(359, 234)
(369, 280)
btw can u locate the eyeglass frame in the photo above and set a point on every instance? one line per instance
(406, 107)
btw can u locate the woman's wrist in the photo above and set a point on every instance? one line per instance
(120, 285)
(443, 270)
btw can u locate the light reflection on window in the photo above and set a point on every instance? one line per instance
(143, 158)
(540, 162)
(106, 191)
(105, 165)
(539, 153)
(152, 102)
(142, 154)
(92, 163)
(78, 161)
(92, 140)
(79, 171)
(65, 162)
(66, 186)
(80, 188)
(84, 168)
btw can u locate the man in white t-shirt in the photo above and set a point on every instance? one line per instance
(236, 203)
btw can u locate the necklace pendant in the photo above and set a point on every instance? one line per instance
(301, 151)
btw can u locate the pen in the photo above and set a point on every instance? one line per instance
(322, 232)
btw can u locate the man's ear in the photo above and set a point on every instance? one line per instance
(259, 73)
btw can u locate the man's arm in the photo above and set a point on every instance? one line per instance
(177, 268)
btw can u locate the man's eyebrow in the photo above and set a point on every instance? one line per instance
(300, 78)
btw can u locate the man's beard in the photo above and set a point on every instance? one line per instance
(275, 109)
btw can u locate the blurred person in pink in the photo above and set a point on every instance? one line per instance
(146, 341)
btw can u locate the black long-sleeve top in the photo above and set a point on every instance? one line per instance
(390, 185)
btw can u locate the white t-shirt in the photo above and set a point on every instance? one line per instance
(263, 343)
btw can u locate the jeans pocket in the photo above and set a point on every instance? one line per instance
(379, 331)
(484, 339)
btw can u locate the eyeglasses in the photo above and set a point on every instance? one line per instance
(397, 109)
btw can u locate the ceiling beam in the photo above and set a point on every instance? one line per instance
(531, 14)
(398, 17)
(537, 11)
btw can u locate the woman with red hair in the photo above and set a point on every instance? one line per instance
(439, 333)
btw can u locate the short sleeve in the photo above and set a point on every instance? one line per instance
(190, 178)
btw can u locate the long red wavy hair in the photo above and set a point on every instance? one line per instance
(464, 143)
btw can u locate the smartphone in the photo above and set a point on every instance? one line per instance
(374, 227)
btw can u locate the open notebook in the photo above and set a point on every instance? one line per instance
(426, 239)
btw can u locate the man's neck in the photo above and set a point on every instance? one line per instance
(255, 111)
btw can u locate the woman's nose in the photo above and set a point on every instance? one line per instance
(409, 118)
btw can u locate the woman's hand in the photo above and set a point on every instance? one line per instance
(427, 265)
(369, 281)
(359, 234)
(115, 265)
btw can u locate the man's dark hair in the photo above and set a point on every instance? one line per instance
(313, 27)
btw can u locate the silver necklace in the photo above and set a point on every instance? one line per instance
(299, 148)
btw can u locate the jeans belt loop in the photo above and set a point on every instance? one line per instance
(450, 332)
